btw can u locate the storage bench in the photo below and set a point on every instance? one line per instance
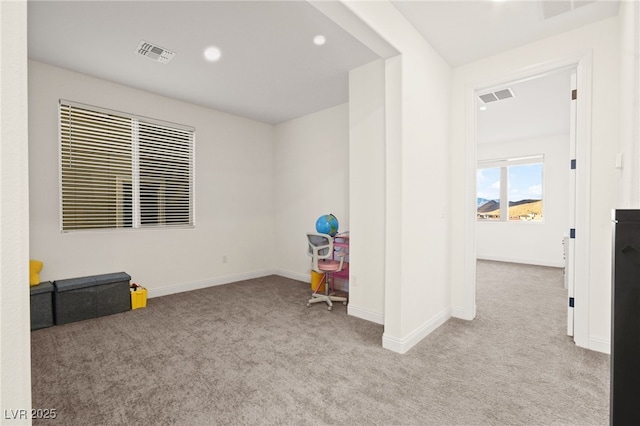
(42, 305)
(78, 299)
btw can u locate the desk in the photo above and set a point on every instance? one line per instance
(341, 243)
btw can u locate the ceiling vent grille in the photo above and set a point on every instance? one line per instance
(498, 95)
(154, 52)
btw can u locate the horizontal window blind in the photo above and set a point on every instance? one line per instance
(123, 171)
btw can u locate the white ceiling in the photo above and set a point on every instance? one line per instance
(540, 107)
(464, 31)
(270, 69)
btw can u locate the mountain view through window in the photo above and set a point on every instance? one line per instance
(519, 185)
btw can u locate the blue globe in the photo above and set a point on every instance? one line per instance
(327, 224)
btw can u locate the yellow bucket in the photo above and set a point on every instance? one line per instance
(139, 298)
(316, 279)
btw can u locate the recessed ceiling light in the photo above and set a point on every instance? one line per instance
(483, 107)
(319, 40)
(212, 54)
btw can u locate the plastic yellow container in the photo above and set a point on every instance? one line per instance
(139, 298)
(316, 279)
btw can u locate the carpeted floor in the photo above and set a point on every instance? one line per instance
(252, 353)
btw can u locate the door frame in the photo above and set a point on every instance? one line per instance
(582, 61)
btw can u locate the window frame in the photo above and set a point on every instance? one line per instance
(183, 165)
(503, 164)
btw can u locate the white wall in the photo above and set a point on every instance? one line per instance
(630, 104)
(367, 182)
(311, 179)
(15, 337)
(234, 205)
(601, 39)
(536, 243)
(417, 98)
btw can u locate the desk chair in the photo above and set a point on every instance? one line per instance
(323, 261)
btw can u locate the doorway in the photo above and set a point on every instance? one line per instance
(579, 154)
(525, 194)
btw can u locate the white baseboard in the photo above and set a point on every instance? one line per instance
(600, 345)
(227, 279)
(458, 312)
(340, 284)
(403, 344)
(293, 275)
(365, 314)
(525, 261)
(196, 285)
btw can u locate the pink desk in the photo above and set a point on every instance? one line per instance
(341, 243)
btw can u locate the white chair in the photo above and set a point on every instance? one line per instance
(324, 261)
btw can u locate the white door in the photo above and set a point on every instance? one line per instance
(570, 250)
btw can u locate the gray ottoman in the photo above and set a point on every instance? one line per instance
(78, 299)
(42, 305)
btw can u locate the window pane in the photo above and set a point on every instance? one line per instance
(165, 175)
(488, 193)
(525, 192)
(122, 171)
(95, 161)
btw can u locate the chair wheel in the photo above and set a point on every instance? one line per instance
(308, 304)
(344, 303)
(329, 308)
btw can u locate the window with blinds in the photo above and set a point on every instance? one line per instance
(119, 170)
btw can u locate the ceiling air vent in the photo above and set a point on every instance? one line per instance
(489, 97)
(154, 52)
(498, 95)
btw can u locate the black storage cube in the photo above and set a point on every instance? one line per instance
(78, 299)
(74, 305)
(112, 293)
(42, 305)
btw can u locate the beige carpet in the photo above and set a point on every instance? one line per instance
(252, 353)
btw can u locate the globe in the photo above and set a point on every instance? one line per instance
(327, 224)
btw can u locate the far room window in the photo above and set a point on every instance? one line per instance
(518, 181)
(119, 170)
(489, 193)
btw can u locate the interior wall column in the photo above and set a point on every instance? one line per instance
(15, 338)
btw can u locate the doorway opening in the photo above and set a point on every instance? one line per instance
(569, 221)
(525, 194)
